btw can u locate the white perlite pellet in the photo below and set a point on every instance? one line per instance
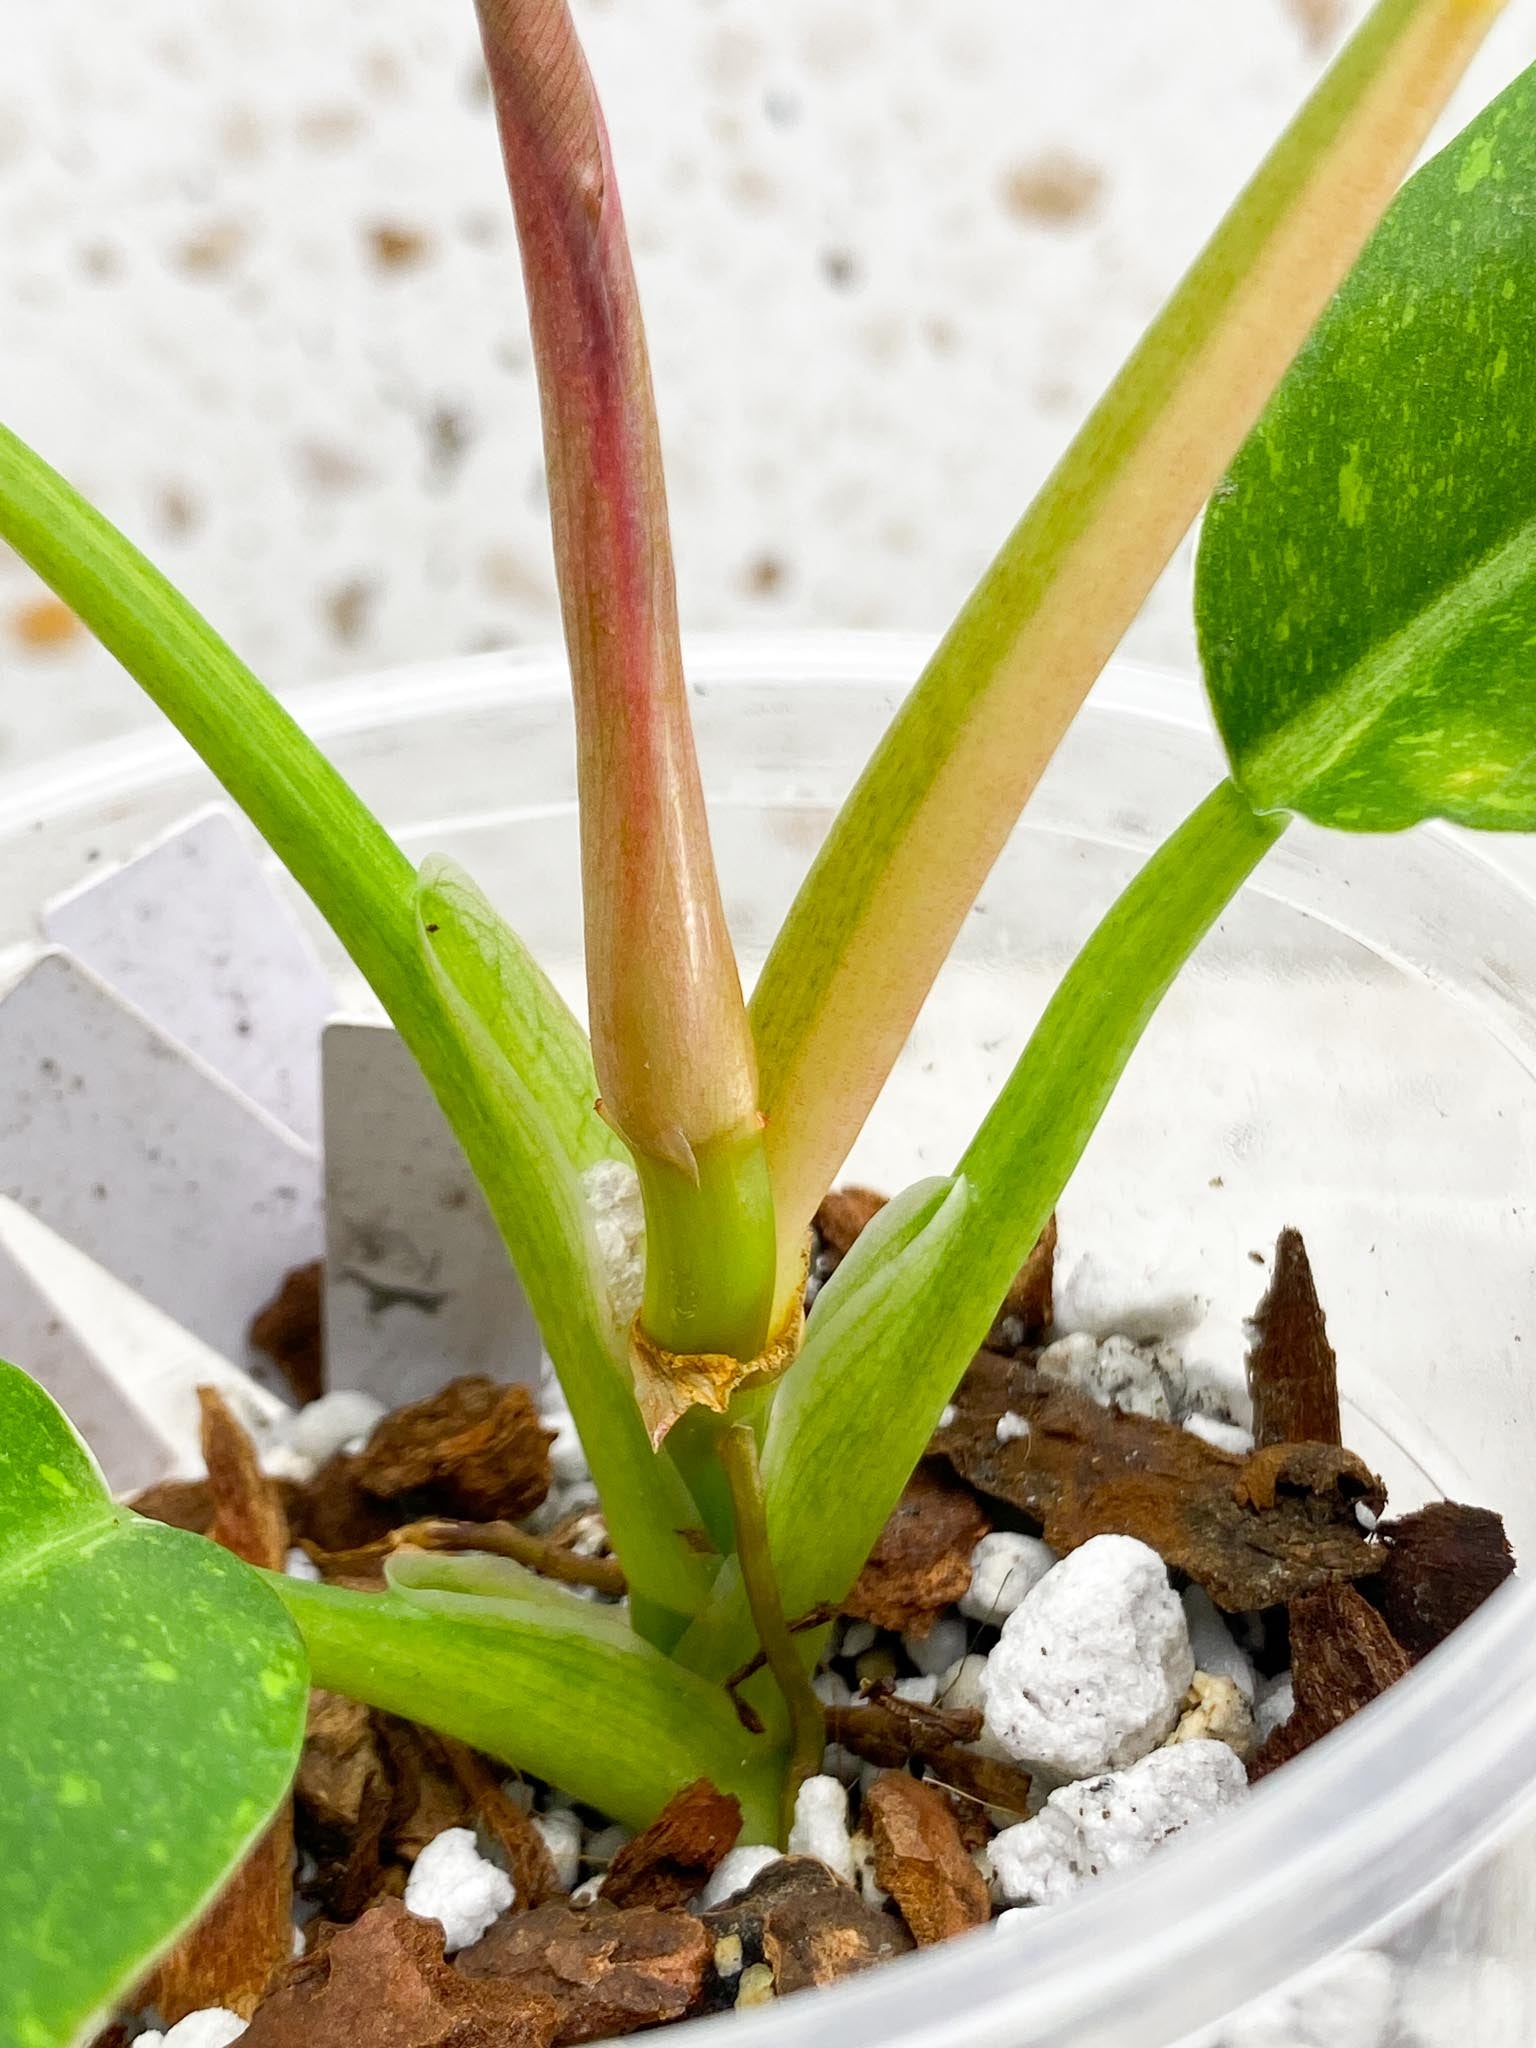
(1139, 1379)
(917, 1692)
(1349, 2000)
(1276, 1704)
(452, 1883)
(1215, 1647)
(213, 2027)
(937, 1650)
(1223, 1436)
(857, 1637)
(336, 1422)
(1010, 1427)
(612, 1189)
(1092, 1667)
(821, 1827)
(1113, 1822)
(960, 1686)
(1004, 1567)
(736, 1869)
(561, 1832)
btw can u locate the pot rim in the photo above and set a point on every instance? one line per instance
(1329, 1854)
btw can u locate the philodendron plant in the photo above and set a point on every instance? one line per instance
(1367, 609)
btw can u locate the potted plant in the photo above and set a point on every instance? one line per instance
(1362, 605)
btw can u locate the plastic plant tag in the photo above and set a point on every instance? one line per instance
(125, 1373)
(134, 1150)
(196, 935)
(419, 1287)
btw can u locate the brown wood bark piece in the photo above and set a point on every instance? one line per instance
(602, 1971)
(671, 1861)
(289, 1331)
(384, 1982)
(921, 1860)
(1029, 1308)
(1343, 1656)
(805, 1925)
(477, 1447)
(1293, 1376)
(343, 1797)
(841, 1217)
(922, 1561)
(1438, 1566)
(1254, 1532)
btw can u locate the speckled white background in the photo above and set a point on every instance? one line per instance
(258, 296)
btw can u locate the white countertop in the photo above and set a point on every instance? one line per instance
(258, 296)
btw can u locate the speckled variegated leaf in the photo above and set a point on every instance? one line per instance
(1367, 575)
(152, 1696)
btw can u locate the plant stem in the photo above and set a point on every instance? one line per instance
(807, 1721)
(709, 1248)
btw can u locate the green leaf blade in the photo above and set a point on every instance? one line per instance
(151, 1716)
(1366, 591)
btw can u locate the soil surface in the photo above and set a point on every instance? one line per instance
(1314, 1602)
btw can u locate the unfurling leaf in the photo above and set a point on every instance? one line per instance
(1367, 575)
(673, 1054)
(670, 1040)
(151, 1713)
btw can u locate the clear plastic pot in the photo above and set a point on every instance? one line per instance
(1352, 1051)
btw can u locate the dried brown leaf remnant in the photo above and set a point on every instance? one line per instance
(1292, 1373)
(601, 1972)
(1437, 1568)
(922, 1562)
(478, 1448)
(248, 1515)
(804, 1926)
(1342, 1656)
(179, 1503)
(894, 1732)
(245, 1938)
(671, 1861)
(526, 1852)
(545, 1554)
(384, 1982)
(288, 1331)
(921, 1860)
(1253, 1532)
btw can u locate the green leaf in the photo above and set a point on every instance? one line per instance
(900, 1320)
(521, 1161)
(1367, 575)
(877, 914)
(547, 1682)
(151, 1714)
(362, 884)
(527, 1018)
